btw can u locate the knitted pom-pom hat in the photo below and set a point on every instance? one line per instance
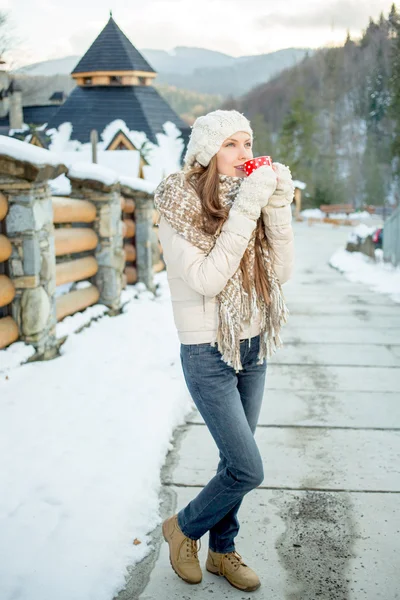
(210, 131)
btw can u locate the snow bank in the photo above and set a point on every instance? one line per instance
(360, 233)
(312, 213)
(83, 439)
(378, 276)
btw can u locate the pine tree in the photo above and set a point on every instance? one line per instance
(374, 181)
(394, 84)
(296, 145)
(262, 144)
(349, 42)
(369, 33)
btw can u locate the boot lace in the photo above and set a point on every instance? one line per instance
(191, 548)
(234, 558)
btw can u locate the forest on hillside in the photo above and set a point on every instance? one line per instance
(335, 118)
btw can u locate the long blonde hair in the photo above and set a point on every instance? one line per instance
(205, 181)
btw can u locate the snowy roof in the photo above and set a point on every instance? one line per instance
(140, 107)
(27, 152)
(112, 51)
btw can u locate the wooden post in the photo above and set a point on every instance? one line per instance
(94, 138)
(297, 199)
(144, 227)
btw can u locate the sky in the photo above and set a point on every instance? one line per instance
(48, 29)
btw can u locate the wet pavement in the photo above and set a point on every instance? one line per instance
(325, 523)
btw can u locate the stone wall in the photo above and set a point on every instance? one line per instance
(32, 266)
(29, 226)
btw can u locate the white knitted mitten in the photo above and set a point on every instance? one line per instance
(283, 195)
(255, 191)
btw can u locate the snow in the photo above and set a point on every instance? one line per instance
(138, 184)
(378, 276)
(312, 213)
(60, 186)
(361, 232)
(316, 213)
(138, 138)
(81, 455)
(75, 322)
(163, 157)
(299, 184)
(357, 215)
(24, 127)
(60, 139)
(27, 152)
(15, 355)
(86, 170)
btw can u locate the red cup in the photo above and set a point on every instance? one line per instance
(251, 165)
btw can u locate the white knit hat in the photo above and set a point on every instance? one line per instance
(210, 131)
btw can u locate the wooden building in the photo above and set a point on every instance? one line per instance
(113, 81)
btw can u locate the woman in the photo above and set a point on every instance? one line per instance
(228, 246)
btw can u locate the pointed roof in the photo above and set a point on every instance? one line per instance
(112, 51)
(141, 107)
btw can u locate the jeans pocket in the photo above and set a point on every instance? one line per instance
(203, 349)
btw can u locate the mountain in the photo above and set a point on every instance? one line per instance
(237, 75)
(196, 69)
(57, 66)
(185, 60)
(332, 118)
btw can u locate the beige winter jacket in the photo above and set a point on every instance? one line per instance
(196, 278)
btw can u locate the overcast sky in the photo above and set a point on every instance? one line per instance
(46, 29)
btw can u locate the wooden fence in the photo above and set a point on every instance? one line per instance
(8, 327)
(74, 246)
(101, 234)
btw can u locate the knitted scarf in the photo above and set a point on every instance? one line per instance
(179, 204)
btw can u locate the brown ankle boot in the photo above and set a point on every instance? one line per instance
(232, 567)
(182, 552)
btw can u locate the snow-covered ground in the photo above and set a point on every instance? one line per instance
(83, 439)
(82, 442)
(378, 275)
(316, 213)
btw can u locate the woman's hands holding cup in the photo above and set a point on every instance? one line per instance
(255, 191)
(284, 192)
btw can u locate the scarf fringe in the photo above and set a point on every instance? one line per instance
(181, 207)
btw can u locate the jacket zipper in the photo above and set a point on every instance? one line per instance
(204, 307)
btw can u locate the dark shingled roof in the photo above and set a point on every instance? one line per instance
(141, 107)
(112, 51)
(58, 96)
(35, 115)
(38, 115)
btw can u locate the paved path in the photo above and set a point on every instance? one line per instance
(325, 523)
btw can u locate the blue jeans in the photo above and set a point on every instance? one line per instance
(230, 405)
